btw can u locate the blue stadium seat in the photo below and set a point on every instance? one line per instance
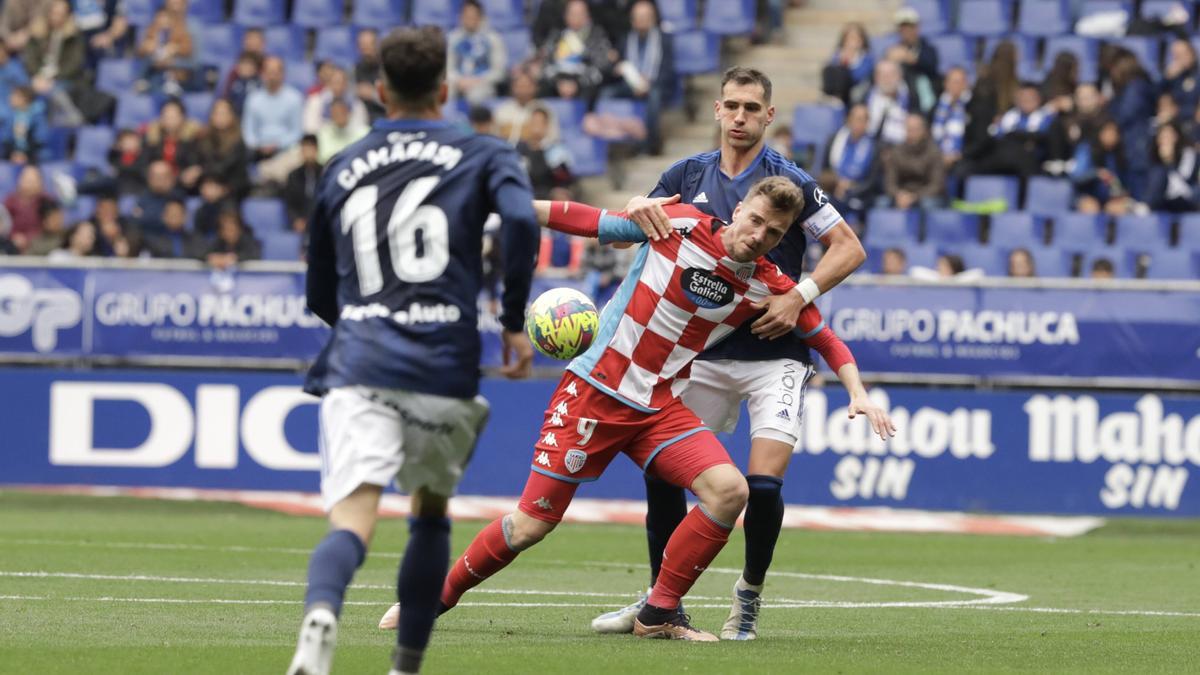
(589, 156)
(1086, 49)
(985, 188)
(729, 17)
(264, 215)
(317, 13)
(197, 104)
(379, 13)
(892, 227)
(83, 208)
(993, 261)
(8, 176)
(921, 255)
(946, 226)
(1189, 232)
(934, 17)
(92, 145)
(116, 76)
(1143, 233)
(337, 44)
(1119, 257)
(218, 43)
(1044, 18)
(518, 43)
(1017, 228)
(1078, 232)
(984, 17)
(1049, 261)
(134, 110)
(1153, 9)
(279, 244)
(287, 41)
(126, 204)
(812, 126)
(880, 45)
(504, 14)
(677, 15)
(58, 143)
(300, 74)
(258, 12)
(1148, 49)
(442, 13)
(621, 107)
(206, 12)
(954, 50)
(568, 111)
(141, 12)
(1046, 196)
(696, 52)
(1173, 264)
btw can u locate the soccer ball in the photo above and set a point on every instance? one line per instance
(561, 323)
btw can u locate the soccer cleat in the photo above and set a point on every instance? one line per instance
(620, 621)
(677, 627)
(391, 618)
(314, 648)
(742, 623)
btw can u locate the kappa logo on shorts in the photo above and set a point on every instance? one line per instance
(550, 440)
(783, 414)
(574, 460)
(561, 408)
(543, 458)
(572, 390)
(556, 420)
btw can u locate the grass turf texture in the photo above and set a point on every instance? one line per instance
(1128, 565)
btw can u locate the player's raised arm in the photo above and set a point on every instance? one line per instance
(321, 280)
(583, 220)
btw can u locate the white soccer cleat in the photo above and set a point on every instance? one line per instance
(742, 623)
(391, 618)
(314, 648)
(620, 621)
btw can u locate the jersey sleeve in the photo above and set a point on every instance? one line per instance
(819, 216)
(670, 182)
(616, 227)
(810, 322)
(512, 198)
(777, 282)
(321, 280)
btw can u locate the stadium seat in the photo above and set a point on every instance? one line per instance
(443, 13)
(504, 14)
(1078, 232)
(946, 226)
(1044, 18)
(984, 17)
(258, 12)
(116, 76)
(206, 12)
(921, 255)
(880, 45)
(126, 204)
(569, 113)
(378, 13)
(264, 215)
(53, 171)
(8, 176)
(134, 110)
(1142, 233)
(198, 104)
(518, 44)
(1086, 49)
(677, 15)
(92, 145)
(280, 244)
(1189, 232)
(218, 43)
(300, 74)
(317, 13)
(954, 50)
(287, 41)
(58, 144)
(892, 227)
(1045, 196)
(986, 188)
(1148, 49)
(729, 17)
(696, 52)
(992, 260)
(83, 208)
(141, 12)
(589, 156)
(1173, 264)
(934, 17)
(1049, 261)
(337, 44)
(1154, 9)
(1017, 228)
(812, 126)
(624, 108)
(1119, 257)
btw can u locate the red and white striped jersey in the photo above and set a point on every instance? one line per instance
(682, 295)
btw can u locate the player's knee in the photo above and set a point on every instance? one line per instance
(522, 531)
(723, 491)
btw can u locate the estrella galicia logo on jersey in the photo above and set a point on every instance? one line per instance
(574, 460)
(705, 289)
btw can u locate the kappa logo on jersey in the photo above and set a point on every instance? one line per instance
(705, 289)
(574, 460)
(700, 199)
(543, 458)
(550, 440)
(556, 420)
(572, 389)
(543, 504)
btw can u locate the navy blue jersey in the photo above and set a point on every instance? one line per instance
(699, 181)
(395, 260)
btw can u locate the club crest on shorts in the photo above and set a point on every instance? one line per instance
(574, 460)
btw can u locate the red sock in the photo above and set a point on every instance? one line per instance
(695, 543)
(488, 553)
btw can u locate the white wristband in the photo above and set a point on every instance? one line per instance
(808, 289)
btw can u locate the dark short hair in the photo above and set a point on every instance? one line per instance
(896, 250)
(473, 3)
(173, 101)
(783, 195)
(308, 139)
(414, 64)
(744, 76)
(479, 114)
(48, 206)
(1102, 265)
(174, 200)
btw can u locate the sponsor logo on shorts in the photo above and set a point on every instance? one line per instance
(543, 504)
(543, 458)
(550, 440)
(574, 460)
(705, 289)
(783, 414)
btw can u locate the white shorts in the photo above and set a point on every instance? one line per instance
(372, 436)
(773, 391)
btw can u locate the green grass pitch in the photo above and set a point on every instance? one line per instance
(115, 585)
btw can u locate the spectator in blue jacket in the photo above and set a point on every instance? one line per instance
(25, 126)
(1101, 174)
(12, 75)
(1132, 107)
(1172, 184)
(1181, 79)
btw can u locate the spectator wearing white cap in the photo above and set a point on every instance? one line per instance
(920, 55)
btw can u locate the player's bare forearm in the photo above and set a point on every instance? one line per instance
(861, 404)
(851, 380)
(844, 253)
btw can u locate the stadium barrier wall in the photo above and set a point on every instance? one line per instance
(996, 331)
(1019, 451)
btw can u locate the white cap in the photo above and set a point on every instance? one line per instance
(907, 15)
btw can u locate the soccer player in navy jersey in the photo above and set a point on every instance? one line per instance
(395, 267)
(769, 374)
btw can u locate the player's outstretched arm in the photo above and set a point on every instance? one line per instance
(583, 220)
(841, 360)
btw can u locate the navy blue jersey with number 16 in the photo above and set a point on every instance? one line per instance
(395, 260)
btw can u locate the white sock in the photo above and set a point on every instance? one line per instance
(743, 586)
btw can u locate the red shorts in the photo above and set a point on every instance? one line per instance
(586, 428)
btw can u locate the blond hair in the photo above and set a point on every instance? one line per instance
(782, 194)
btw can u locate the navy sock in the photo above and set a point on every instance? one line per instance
(764, 518)
(332, 567)
(666, 507)
(422, 574)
